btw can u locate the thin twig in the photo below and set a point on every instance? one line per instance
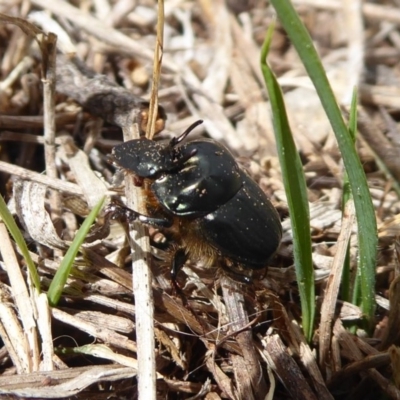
(158, 55)
(142, 275)
(49, 48)
(52, 183)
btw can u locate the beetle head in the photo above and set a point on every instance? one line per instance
(149, 159)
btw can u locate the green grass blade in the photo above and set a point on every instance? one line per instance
(346, 196)
(19, 240)
(61, 276)
(367, 238)
(296, 193)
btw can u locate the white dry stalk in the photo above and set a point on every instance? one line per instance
(116, 305)
(44, 326)
(49, 42)
(142, 289)
(52, 183)
(14, 339)
(103, 320)
(104, 334)
(21, 297)
(104, 352)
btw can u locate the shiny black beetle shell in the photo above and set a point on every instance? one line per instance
(201, 182)
(206, 181)
(247, 228)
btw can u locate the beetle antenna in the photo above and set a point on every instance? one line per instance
(176, 140)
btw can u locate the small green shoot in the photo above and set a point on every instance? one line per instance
(296, 193)
(61, 276)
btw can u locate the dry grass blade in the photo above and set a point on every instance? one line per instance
(107, 335)
(44, 329)
(49, 43)
(66, 383)
(249, 380)
(333, 284)
(292, 335)
(157, 63)
(30, 208)
(26, 331)
(286, 369)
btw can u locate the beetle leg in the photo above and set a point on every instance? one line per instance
(178, 262)
(119, 212)
(236, 275)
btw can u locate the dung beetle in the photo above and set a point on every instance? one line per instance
(221, 215)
